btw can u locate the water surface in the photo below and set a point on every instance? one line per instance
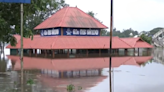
(130, 74)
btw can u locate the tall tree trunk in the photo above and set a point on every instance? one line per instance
(3, 51)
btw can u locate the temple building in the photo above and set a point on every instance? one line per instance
(71, 33)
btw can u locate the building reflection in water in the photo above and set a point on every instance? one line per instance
(71, 74)
(58, 73)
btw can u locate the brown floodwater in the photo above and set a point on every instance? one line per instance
(129, 74)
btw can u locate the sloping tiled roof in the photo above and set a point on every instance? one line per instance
(71, 42)
(137, 42)
(76, 64)
(18, 37)
(70, 17)
(79, 42)
(130, 41)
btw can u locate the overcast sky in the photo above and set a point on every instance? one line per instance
(136, 14)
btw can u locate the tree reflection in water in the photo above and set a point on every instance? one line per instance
(3, 65)
(10, 82)
(148, 62)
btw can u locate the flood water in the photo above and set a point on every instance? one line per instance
(129, 74)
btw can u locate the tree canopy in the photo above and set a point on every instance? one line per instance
(34, 13)
(146, 38)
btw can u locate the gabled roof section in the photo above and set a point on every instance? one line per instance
(70, 17)
(137, 42)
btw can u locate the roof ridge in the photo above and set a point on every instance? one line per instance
(48, 18)
(67, 8)
(125, 42)
(137, 40)
(52, 45)
(60, 19)
(91, 17)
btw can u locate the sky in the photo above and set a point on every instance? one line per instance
(140, 15)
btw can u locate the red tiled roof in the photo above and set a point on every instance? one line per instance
(141, 44)
(130, 41)
(70, 17)
(17, 37)
(37, 35)
(136, 42)
(71, 42)
(76, 64)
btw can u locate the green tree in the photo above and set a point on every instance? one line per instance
(34, 13)
(116, 32)
(11, 13)
(146, 38)
(40, 16)
(127, 32)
